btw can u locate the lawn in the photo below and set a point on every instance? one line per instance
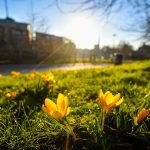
(24, 125)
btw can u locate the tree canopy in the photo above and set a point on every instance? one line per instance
(138, 11)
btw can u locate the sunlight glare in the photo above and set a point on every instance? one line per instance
(83, 31)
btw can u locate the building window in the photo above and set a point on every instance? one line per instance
(1, 31)
(24, 33)
(16, 33)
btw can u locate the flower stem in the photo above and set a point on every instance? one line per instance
(103, 119)
(67, 142)
(70, 130)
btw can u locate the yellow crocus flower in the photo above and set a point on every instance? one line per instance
(32, 75)
(108, 101)
(75, 72)
(15, 73)
(11, 94)
(48, 78)
(57, 111)
(142, 115)
(65, 71)
(1, 75)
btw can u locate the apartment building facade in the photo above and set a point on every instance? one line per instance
(15, 40)
(53, 47)
(17, 43)
(47, 45)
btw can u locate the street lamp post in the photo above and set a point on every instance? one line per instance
(114, 38)
(6, 8)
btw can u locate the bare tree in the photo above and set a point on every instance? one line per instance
(125, 49)
(138, 11)
(109, 6)
(38, 22)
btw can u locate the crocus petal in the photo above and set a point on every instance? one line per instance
(120, 101)
(101, 93)
(60, 103)
(58, 111)
(108, 101)
(117, 97)
(109, 98)
(108, 92)
(50, 105)
(56, 115)
(101, 99)
(64, 106)
(110, 106)
(142, 116)
(68, 111)
(45, 110)
(60, 99)
(66, 101)
(64, 111)
(115, 102)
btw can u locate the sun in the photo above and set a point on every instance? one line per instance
(83, 31)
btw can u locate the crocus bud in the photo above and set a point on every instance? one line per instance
(141, 116)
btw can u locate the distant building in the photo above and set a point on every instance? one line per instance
(17, 44)
(52, 47)
(96, 53)
(15, 39)
(83, 53)
(107, 52)
(143, 52)
(47, 45)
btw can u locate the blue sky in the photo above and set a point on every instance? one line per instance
(83, 28)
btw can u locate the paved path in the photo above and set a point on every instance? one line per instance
(24, 68)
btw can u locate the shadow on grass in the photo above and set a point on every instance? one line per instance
(134, 80)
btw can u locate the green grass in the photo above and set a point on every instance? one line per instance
(23, 124)
(76, 60)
